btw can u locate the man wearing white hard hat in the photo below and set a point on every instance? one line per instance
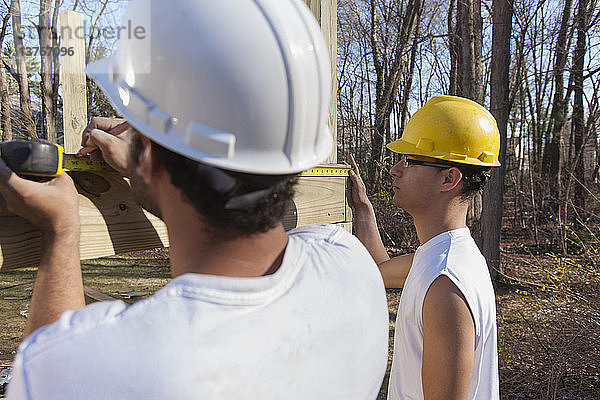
(226, 101)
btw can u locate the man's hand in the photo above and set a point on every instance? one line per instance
(360, 201)
(51, 206)
(107, 136)
(365, 223)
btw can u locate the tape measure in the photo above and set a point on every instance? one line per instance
(337, 170)
(39, 158)
(33, 158)
(74, 163)
(42, 159)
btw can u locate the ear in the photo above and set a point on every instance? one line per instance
(451, 179)
(148, 164)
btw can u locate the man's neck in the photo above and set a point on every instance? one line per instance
(202, 251)
(429, 223)
(197, 247)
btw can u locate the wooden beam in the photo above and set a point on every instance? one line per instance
(315, 7)
(326, 13)
(72, 65)
(320, 200)
(96, 295)
(329, 27)
(112, 222)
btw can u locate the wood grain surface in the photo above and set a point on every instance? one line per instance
(112, 222)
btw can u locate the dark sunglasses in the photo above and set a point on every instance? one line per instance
(407, 162)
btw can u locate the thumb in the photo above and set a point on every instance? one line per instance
(5, 172)
(11, 185)
(9, 181)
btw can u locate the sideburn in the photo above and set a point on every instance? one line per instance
(140, 190)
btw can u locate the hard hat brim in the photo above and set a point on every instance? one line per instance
(403, 147)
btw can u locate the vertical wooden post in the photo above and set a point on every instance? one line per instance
(326, 13)
(72, 65)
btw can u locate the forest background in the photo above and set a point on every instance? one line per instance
(535, 64)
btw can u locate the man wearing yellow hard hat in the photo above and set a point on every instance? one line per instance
(445, 337)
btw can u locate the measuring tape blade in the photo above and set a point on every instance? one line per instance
(73, 163)
(327, 171)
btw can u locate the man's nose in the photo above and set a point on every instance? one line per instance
(396, 170)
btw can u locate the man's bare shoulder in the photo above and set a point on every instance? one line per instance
(445, 303)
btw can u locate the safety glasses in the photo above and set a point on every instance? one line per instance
(407, 162)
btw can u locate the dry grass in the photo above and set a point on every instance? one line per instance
(145, 271)
(549, 328)
(13, 300)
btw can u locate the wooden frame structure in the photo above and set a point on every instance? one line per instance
(111, 221)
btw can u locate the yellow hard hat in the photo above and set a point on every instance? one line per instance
(453, 129)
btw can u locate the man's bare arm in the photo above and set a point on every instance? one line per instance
(364, 220)
(448, 342)
(53, 208)
(393, 271)
(58, 284)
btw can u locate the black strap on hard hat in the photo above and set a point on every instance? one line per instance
(239, 191)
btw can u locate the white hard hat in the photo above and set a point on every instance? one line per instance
(242, 85)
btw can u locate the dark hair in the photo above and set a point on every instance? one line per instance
(474, 179)
(264, 198)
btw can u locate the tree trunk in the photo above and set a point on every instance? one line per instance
(469, 26)
(551, 158)
(491, 219)
(453, 48)
(24, 97)
(478, 84)
(470, 62)
(47, 72)
(408, 84)
(577, 124)
(469, 78)
(5, 123)
(388, 73)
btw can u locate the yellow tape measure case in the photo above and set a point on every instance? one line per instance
(33, 158)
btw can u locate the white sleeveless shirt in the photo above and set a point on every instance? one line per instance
(453, 254)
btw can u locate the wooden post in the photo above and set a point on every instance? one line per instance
(72, 65)
(326, 13)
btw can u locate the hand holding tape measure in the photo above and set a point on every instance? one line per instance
(39, 159)
(34, 159)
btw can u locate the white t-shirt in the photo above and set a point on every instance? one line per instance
(453, 254)
(316, 329)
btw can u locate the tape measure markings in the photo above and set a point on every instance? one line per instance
(72, 163)
(326, 171)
